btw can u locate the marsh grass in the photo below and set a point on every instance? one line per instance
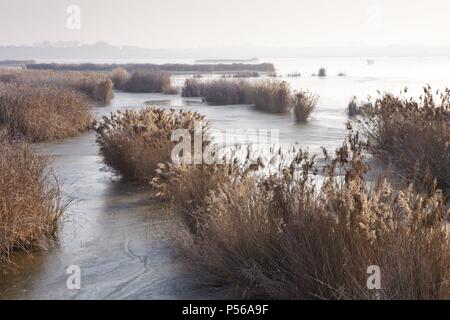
(304, 104)
(149, 82)
(96, 86)
(218, 92)
(284, 237)
(119, 76)
(357, 108)
(266, 95)
(322, 72)
(247, 74)
(413, 134)
(42, 112)
(353, 109)
(135, 142)
(270, 96)
(30, 199)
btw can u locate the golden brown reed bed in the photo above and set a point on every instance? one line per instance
(96, 86)
(304, 104)
(270, 95)
(281, 237)
(142, 81)
(119, 77)
(29, 196)
(134, 142)
(267, 95)
(39, 112)
(148, 82)
(219, 92)
(414, 135)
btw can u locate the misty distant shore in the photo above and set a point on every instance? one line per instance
(103, 50)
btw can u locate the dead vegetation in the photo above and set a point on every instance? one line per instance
(134, 142)
(413, 134)
(30, 199)
(149, 82)
(266, 95)
(96, 86)
(39, 112)
(285, 237)
(119, 76)
(304, 104)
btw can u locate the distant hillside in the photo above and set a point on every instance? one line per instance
(104, 51)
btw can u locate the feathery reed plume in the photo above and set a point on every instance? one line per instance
(135, 142)
(304, 104)
(414, 135)
(30, 204)
(149, 82)
(282, 237)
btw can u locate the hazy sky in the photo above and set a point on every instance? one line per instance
(215, 23)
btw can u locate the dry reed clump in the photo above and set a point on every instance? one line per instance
(30, 204)
(353, 109)
(103, 91)
(414, 135)
(271, 96)
(42, 112)
(193, 88)
(119, 76)
(219, 92)
(322, 72)
(304, 104)
(149, 82)
(266, 95)
(96, 86)
(356, 108)
(188, 187)
(281, 237)
(135, 142)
